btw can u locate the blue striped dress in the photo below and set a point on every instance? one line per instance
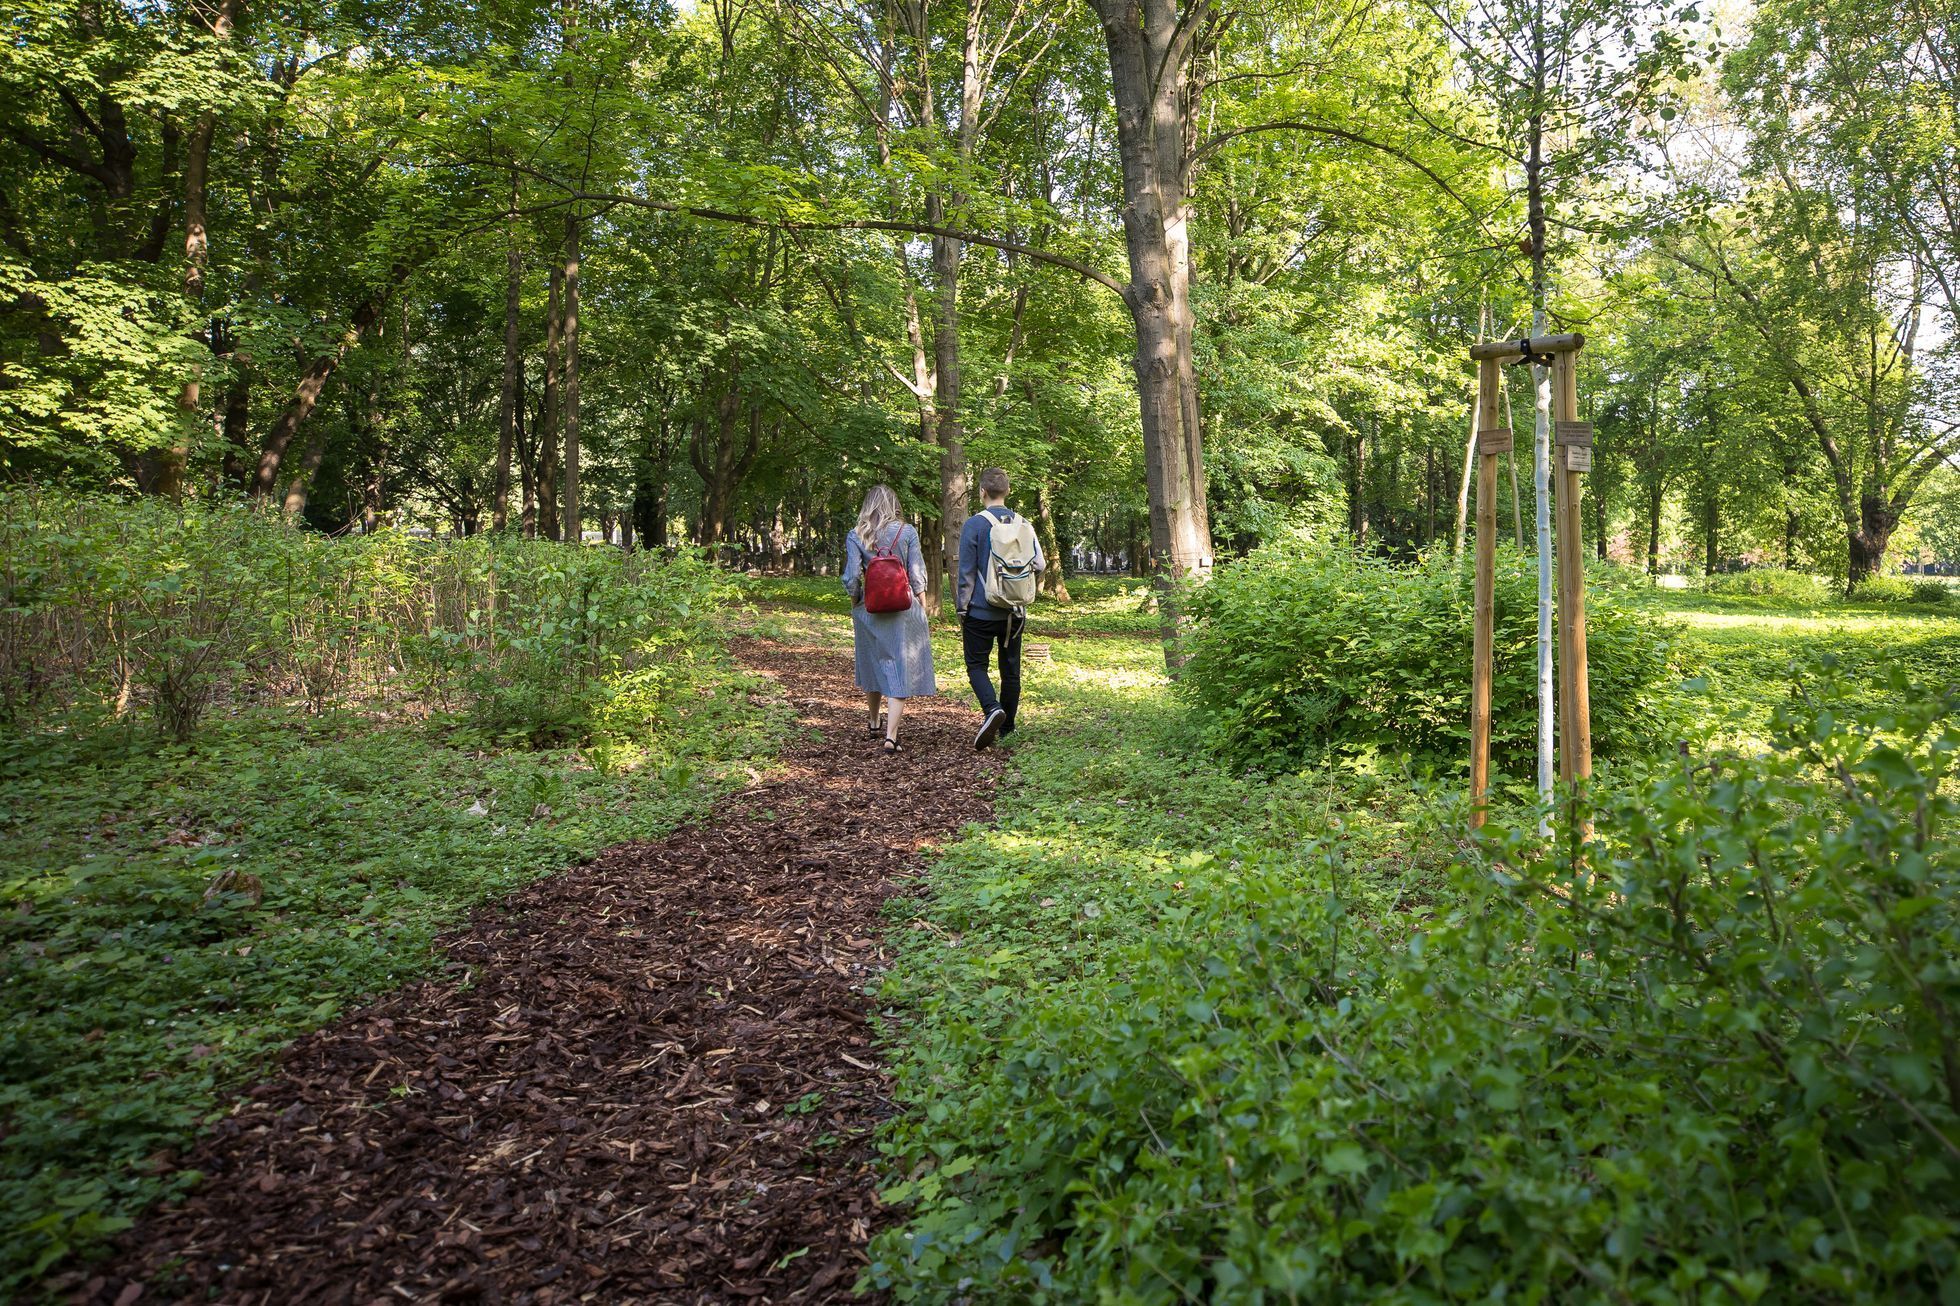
(894, 649)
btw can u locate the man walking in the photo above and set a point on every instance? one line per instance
(997, 548)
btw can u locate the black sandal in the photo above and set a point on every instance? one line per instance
(875, 729)
(893, 746)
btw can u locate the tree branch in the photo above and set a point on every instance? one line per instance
(1356, 138)
(758, 222)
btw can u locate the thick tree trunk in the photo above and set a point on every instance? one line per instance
(237, 471)
(571, 531)
(650, 488)
(723, 466)
(1149, 47)
(301, 485)
(197, 251)
(1054, 578)
(950, 430)
(312, 381)
(1357, 487)
(1867, 544)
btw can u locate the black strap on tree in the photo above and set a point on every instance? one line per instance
(1528, 359)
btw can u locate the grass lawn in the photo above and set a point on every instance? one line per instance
(1746, 646)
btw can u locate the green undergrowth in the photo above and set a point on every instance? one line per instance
(1113, 825)
(1170, 1030)
(172, 914)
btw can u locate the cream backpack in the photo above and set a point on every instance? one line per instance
(1011, 553)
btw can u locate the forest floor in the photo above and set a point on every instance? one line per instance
(649, 1078)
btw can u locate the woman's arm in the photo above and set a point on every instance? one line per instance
(853, 565)
(915, 562)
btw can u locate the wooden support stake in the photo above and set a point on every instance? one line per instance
(1488, 448)
(1574, 446)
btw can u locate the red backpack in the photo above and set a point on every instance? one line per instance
(887, 586)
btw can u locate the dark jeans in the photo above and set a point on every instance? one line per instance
(978, 640)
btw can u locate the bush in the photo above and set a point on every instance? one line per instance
(1772, 583)
(1725, 1067)
(1298, 652)
(148, 605)
(1883, 589)
(1930, 591)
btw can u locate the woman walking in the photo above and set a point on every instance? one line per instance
(894, 649)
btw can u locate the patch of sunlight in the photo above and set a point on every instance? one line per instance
(1131, 682)
(1770, 621)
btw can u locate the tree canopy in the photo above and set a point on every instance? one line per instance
(1197, 274)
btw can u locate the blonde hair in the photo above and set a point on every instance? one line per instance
(879, 512)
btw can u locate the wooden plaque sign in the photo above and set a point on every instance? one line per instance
(1494, 440)
(1578, 458)
(1574, 435)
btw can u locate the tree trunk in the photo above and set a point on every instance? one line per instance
(950, 432)
(372, 498)
(1054, 578)
(237, 424)
(527, 469)
(549, 522)
(571, 531)
(510, 394)
(1357, 487)
(301, 485)
(169, 480)
(1655, 493)
(1867, 544)
(722, 467)
(1541, 478)
(1149, 53)
(650, 487)
(312, 381)
(1429, 496)
(1711, 533)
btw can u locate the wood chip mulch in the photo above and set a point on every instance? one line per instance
(646, 1079)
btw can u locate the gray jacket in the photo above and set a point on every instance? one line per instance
(975, 544)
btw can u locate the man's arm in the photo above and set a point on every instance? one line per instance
(963, 585)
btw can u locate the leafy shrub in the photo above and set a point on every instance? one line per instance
(1295, 652)
(1723, 1068)
(1930, 591)
(1771, 582)
(1883, 589)
(150, 605)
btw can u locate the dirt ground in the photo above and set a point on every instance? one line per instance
(646, 1079)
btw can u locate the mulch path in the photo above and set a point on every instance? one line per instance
(646, 1079)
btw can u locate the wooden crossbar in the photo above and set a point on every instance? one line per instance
(1506, 350)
